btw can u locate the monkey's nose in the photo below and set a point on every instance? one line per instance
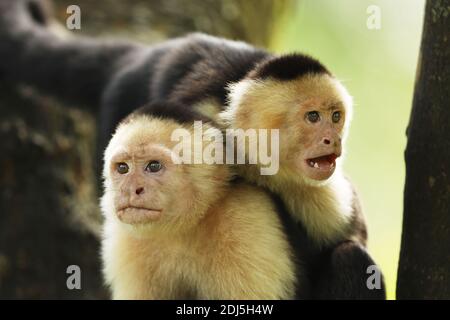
(139, 190)
(326, 141)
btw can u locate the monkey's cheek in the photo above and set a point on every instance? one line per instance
(136, 216)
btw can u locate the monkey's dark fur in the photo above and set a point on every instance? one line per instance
(116, 78)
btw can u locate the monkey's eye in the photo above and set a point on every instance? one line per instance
(313, 116)
(122, 168)
(336, 116)
(154, 166)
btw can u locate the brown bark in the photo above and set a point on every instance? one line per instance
(424, 267)
(248, 20)
(49, 217)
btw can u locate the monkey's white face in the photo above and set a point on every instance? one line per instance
(149, 188)
(144, 187)
(318, 133)
(312, 114)
(141, 180)
(142, 177)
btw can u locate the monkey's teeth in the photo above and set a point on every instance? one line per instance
(311, 163)
(316, 165)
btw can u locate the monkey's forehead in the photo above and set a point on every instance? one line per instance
(137, 152)
(139, 133)
(314, 86)
(144, 135)
(322, 88)
(265, 103)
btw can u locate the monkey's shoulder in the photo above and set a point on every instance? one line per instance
(246, 201)
(247, 215)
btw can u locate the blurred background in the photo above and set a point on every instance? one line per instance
(376, 65)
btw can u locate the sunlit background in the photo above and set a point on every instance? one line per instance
(378, 68)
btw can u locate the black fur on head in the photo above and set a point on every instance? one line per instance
(287, 67)
(166, 110)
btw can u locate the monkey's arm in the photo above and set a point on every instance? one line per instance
(358, 225)
(343, 274)
(342, 270)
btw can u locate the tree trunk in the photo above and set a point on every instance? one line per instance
(424, 268)
(49, 218)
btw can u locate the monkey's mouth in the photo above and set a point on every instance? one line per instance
(325, 163)
(138, 215)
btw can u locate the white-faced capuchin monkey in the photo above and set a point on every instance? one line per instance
(179, 231)
(230, 83)
(312, 111)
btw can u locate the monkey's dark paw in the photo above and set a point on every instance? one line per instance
(348, 272)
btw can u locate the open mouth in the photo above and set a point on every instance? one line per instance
(137, 215)
(326, 162)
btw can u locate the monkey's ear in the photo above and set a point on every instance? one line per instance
(287, 67)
